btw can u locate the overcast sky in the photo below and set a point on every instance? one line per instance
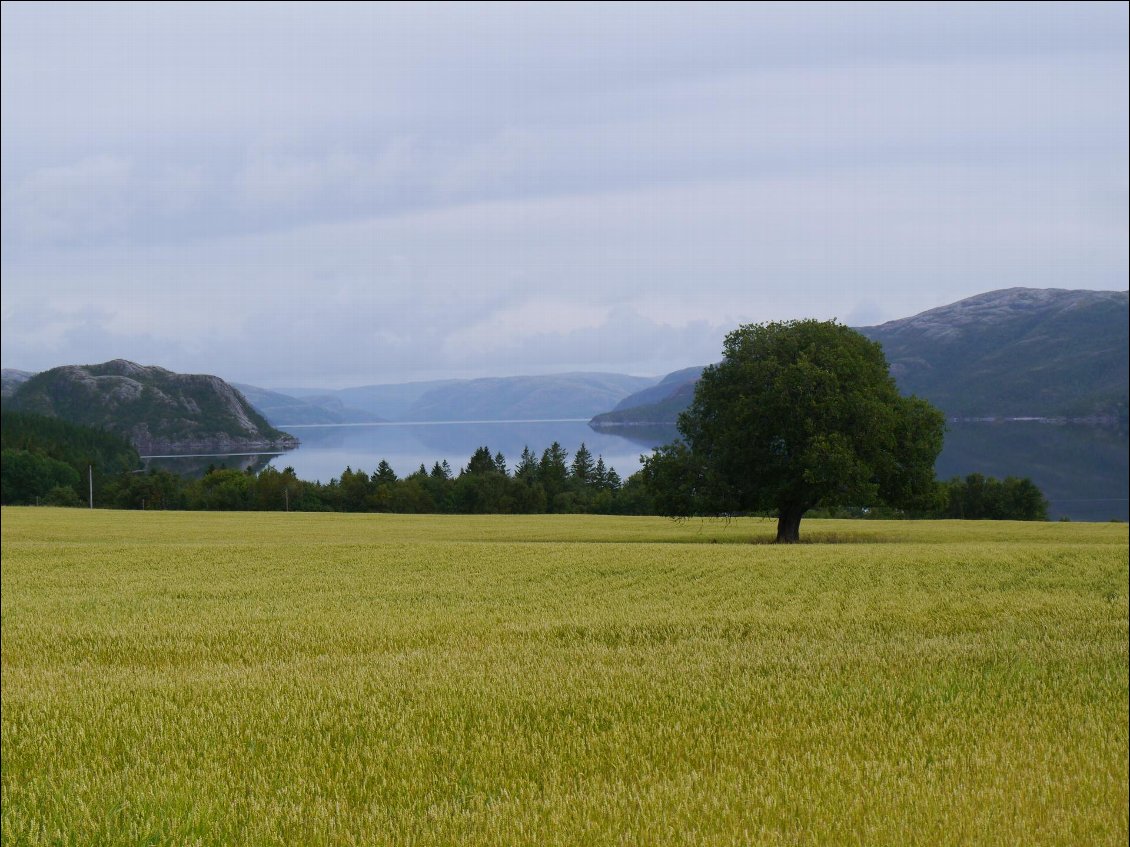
(335, 195)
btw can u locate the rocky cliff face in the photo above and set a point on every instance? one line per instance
(156, 410)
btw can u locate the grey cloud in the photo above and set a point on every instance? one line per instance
(430, 289)
(735, 127)
(249, 68)
(270, 180)
(70, 202)
(96, 199)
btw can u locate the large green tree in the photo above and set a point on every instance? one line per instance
(802, 414)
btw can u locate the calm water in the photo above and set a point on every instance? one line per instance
(1083, 470)
(326, 451)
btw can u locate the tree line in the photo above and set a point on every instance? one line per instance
(53, 462)
(553, 482)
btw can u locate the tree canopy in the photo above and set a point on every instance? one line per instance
(42, 456)
(800, 414)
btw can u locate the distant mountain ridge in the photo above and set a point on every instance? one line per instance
(281, 409)
(154, 409)
(1053, 353)
(545, 397)
(662, 389)
(659, 404)
(391, 401)
(1018, 351)
(570, 395)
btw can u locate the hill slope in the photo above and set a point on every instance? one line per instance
(154, 409)
(573, 395)
(1010, 353)
(1015, 352)
(570, 395)
(281, 409)
(658, 404)
(11, 379)
(393, 401)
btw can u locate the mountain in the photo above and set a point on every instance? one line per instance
(154, 409)
(662, 390)
(554, 396)
(657, 404)
(573, 395)
(392, 401)
(278, 408)
(282, 410)
(1017, 352)
(11, 379)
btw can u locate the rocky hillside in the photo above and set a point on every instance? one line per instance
(1018, 352)
(11, 379)
(156, 410)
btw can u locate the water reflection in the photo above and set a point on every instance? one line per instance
(194, 467)
(326, 451)
(1083, 470)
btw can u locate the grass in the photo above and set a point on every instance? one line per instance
(257, 679)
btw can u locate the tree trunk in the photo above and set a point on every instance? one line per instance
(788, 524)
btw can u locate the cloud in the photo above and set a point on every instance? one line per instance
(71, 202)
(96, 199)
(271, 180)
(385, 193)
(135, 71)
(623, 340)
(49, 335)
(495, 285)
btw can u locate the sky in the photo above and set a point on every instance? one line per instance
(330, 195)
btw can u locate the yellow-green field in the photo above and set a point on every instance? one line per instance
(224, 679)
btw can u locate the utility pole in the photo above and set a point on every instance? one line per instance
(90, 478)
(286, 496)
